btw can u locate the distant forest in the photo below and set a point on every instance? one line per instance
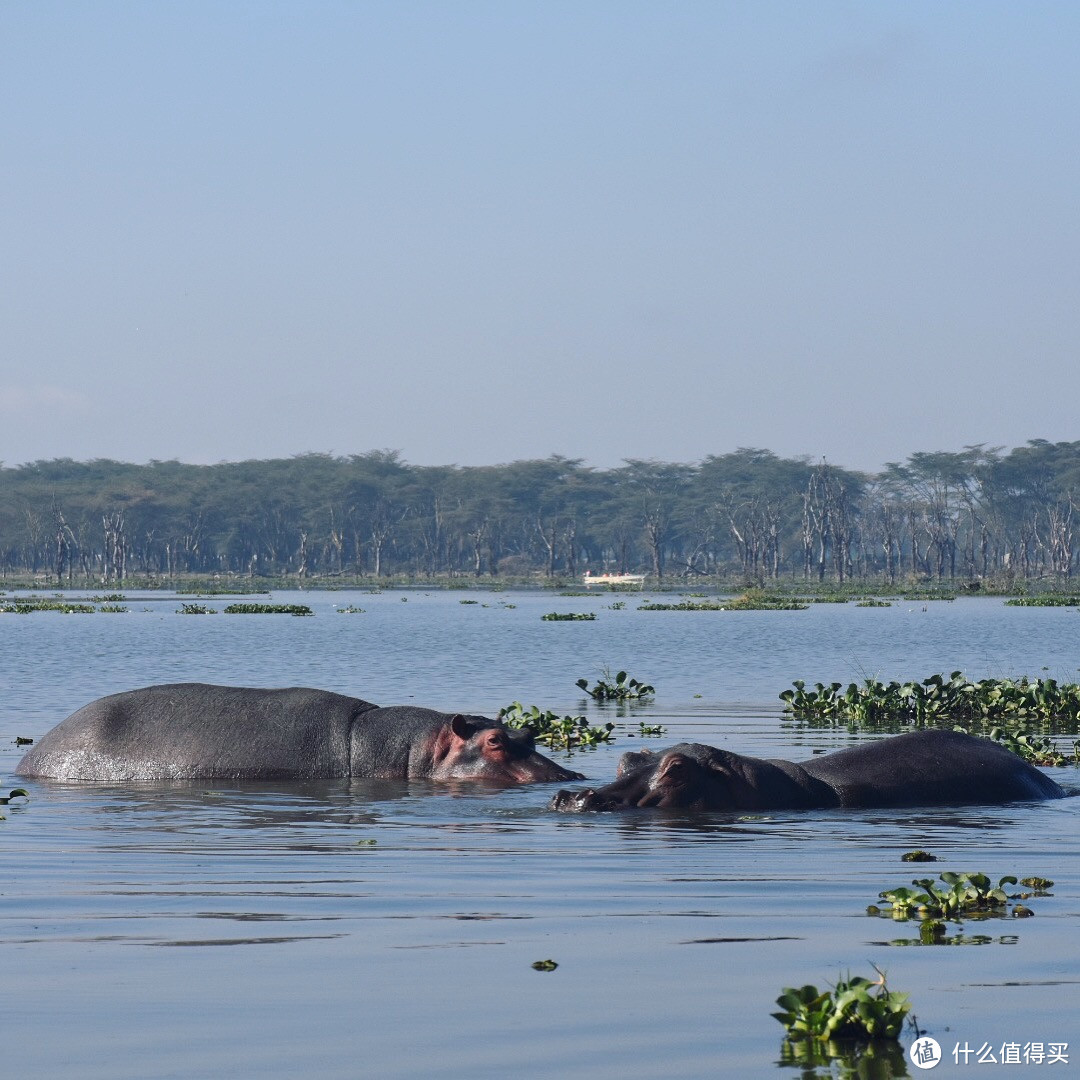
(976, 515)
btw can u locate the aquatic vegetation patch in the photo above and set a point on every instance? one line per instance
(751, 600)
(269, 609)
(938, 699)
(1032, 747)
(557, 732)
(971, 895)
(569, 616)
(683, 605)
(14, 793)
(855, 1008)
(349, 609)
(33, 604)
(1044, 601)
(619, 688)
(651, 731)
(195, 609)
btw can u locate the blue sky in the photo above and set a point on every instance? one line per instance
(478, 232)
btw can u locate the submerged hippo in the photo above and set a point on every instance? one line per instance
(924, 768)
(188, 730)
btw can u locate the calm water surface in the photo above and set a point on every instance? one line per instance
(388, 930)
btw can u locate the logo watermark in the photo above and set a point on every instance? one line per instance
(926, 1053)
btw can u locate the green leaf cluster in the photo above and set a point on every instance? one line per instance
(621, 688)
(268, 609)
(856, 1008)
(938, 699)
(14, 793)
(557, 732)
(959, 894)
(569, 616)
(1044, 601)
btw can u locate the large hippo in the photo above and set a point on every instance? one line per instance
(189, 730)
(923, 768)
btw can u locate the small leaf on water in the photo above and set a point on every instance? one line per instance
(545, 965)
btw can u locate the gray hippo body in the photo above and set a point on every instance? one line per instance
(195, 730)
(922, 768)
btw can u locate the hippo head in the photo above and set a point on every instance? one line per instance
(474, 748)
(688, 775)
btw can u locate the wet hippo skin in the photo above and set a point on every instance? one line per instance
(190, 730)
(923, 768)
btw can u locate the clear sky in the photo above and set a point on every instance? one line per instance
(478, 232)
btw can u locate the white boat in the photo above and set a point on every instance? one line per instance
(613, 579)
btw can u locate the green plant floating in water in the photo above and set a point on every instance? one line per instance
(14, 793)
(1044, 601)
(651, 731)
(856, 1008)
(962, 894)
(269, 609)
(1037, 749)
(569, 616)
(941, 700)
(556, 732)
(1040, 884)
(545, 965)
(195, 609)
(619, 689)
(918, 856)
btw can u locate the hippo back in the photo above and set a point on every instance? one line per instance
(184, 730)
(931, 768)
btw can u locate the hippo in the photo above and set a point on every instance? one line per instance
(184, 731)
(922, 768)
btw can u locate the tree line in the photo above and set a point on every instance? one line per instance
(977, 514)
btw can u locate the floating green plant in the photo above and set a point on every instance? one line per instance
(683, 605)
(348, 609)
(14, 793)
(569, 616)
(939, 699)
(856, 1008)
(269, 609)
(1038, 749)
(1044, 601)
(195, 609)
(621, 688)
(545, 965)
(33, 604)
(651, 731)
(960, 894)
(557, 732)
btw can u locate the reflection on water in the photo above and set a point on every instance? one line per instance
(398, 922)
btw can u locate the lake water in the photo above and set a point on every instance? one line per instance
(389, 930)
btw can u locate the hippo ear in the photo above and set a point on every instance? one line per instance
(461, 727)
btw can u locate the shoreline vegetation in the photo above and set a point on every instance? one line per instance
(981, 519)
(702, 594)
